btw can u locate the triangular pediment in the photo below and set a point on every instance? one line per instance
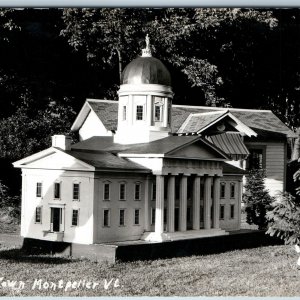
(199, 149)
(53, 159)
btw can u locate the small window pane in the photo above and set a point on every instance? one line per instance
(136, 217)
(106, 218)
(106, 191)
(56, 190)
(232, 211)
(122, 217)
(38, 215)
(222, 212)
(222, 192)
(39, 189)
(76, 191)
(157, 113)
(75, 217)
(122, 191)
(139, 112)
(137, 192)
(232, 190)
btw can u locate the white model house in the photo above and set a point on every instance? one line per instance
(147, 169)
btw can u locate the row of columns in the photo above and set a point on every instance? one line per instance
(159, 210)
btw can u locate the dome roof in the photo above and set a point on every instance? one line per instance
(146, 70)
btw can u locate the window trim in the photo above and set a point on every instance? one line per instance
(108, 225)
(223, 184)
(74, 199)
(136, 112)
(232, 184)
(35, 215)
(220, 216)
(109, 185)
(139, 217)
(124, 217)
(41, 189)
(59, 183)
(120, 184)
(140, 190)
(232, 216)
(75, 209)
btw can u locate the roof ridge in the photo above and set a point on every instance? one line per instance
(101, 100)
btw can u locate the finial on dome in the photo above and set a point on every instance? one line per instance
(147, 52)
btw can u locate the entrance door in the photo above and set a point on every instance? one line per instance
(55, 219)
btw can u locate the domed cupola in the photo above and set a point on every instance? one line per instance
(145, 100)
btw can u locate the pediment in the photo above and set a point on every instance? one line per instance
(199, 150)
(53, 159)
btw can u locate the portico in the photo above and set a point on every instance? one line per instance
(194, 193)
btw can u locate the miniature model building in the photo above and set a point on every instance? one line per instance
(145, 169)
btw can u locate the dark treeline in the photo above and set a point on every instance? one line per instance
(52, 60)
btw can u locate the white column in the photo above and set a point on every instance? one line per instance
(147, 204)
(183, 203)
(207, 202)
(171, 204)
(216, 202)
(159, 209)
(196, 203)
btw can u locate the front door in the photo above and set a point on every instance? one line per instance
(55, 219)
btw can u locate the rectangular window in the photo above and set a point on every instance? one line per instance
(106, 217)
(154, 191)
(255, 159)
(106, 191)
(122, 217)
(157, 113)
(76, 191)
(153, 216)
(232, 190)
(136, 217)
(232, 211)
(75, 217)
(139, 112)
(39, 189)
(222, 189)
(38, 214)
(124, 113)
(222, 211)
(57, 190)
(122, 191)
(137, 191)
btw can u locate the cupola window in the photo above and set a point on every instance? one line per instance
(139, 112)
(124, 113)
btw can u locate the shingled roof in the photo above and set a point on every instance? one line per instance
(262, 120)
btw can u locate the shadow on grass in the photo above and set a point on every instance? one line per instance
(20, 255)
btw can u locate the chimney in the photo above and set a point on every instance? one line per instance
(61, 141)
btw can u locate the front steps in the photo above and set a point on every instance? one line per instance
(182, 235)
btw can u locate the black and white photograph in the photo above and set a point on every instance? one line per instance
(149, 152)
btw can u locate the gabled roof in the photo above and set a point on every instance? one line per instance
(106, 110)
(198, 122)
(258, 120)
(90, 160)
(159, 148)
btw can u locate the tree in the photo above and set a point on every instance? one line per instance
(256, 198)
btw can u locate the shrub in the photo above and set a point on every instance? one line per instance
(284, 219)
(256, 198)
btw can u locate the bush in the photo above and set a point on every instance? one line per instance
(284, 219)
(256, 198)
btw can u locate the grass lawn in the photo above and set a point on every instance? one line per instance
(266, 271)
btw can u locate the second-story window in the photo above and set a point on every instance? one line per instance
(39, 189)
(106, 193)
(76, 191)
(57, 190)
(122, 191)
(139, 112)
(222, 191)
(232, 190)
(137, 191)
